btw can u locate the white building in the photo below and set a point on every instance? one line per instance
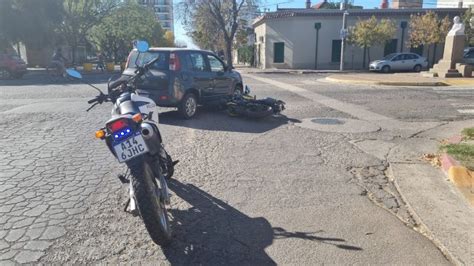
(287, 38)
(454, 3)
(163, 12)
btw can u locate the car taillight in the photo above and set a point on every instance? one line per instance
(174, 62)
(117, 125)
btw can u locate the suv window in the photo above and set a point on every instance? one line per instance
(216, 64)
(161, 64)
(197, 62)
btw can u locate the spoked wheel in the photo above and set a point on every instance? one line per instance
(5, 74)
(188, 106)
(150, 201)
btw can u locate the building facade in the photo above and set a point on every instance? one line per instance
(163, 10)
(287, 39)
(454, 3)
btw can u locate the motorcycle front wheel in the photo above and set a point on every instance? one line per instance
(151, 208)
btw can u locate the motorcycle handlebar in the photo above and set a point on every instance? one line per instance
(92, 101)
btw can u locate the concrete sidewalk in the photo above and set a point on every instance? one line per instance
(80, 69)
(252, 70)
(397, 79)
(442, 212)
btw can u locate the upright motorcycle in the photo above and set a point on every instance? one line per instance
(133, 137)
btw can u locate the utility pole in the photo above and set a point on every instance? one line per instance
(343, 32)
(317, 26)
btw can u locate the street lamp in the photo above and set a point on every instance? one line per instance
(343, 38)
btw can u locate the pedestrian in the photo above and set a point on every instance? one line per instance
(100, 62)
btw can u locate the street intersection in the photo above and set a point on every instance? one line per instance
(269, 191)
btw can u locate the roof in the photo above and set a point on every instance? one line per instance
(320, 4)
(303, 12)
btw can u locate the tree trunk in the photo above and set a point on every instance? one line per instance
(368, 54)
(428, 55)
(434, 53)
(364, 56)
(228, 52)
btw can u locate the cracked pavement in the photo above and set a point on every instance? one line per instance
(245, 191)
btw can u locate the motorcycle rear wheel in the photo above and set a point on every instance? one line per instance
(151, 208)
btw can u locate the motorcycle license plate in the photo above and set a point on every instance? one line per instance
(130, 148)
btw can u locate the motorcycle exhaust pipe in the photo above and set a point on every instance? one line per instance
(147, 131)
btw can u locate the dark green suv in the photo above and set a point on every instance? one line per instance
(184, 78)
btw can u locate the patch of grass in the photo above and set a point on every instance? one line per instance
(462, 152)
(468, 133)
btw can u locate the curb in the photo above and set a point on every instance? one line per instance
(388, 83)
(461, 177)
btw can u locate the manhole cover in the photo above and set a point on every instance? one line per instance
(327, 121)
(338, 125)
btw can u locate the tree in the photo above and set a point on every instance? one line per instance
(79, 18)
(468, 30)
(427, 30)
(29, 21)
(115, 34)
(224, 14)
(371, 32)
(337, 5)
(169, 39)
(205, 32)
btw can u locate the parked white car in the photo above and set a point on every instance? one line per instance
(399, 62)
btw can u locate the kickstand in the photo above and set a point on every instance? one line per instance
(134, 212)
(126, 205)
(124, 178)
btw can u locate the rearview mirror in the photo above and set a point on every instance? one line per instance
(142, 46)
(73, 73)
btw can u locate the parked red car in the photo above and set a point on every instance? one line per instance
(11, 66)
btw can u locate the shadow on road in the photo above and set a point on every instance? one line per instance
(218, 120)
(42, 78)
(212, 232)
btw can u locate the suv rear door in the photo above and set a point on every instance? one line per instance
(156, 81)
(200, 74)
(222, 82)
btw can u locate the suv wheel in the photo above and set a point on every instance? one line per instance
(188, 106)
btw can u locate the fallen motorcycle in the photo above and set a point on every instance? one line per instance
(248, 106)
(133, 137)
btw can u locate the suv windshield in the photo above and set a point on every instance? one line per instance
(161, 64)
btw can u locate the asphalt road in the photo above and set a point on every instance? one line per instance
(282, 190)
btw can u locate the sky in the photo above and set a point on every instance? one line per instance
(180, 33)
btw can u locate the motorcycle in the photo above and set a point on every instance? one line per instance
(247, 105)
(133, 137)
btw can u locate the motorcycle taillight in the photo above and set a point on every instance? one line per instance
(117, 125)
